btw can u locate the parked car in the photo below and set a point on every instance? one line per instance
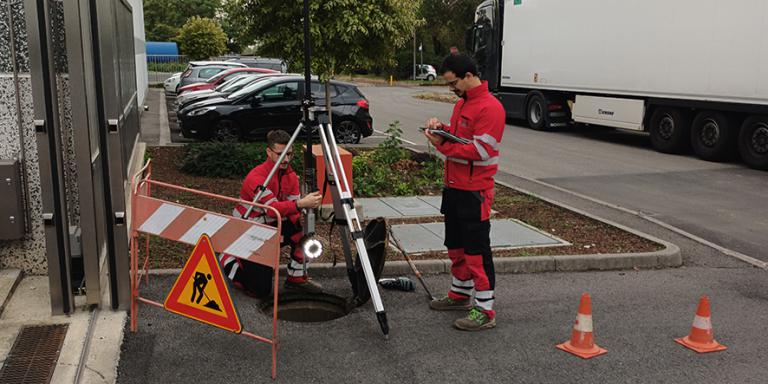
(262, 62)
(222, 77)
(172, 83)
(426, 72)
(222, 90)
(275, 104)
(199, 71)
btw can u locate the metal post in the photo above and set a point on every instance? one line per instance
(49, 146)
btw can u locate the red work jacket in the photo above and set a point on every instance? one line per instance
(478, 117)
(282, 193)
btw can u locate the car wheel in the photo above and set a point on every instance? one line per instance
(227, 131)
(713, 136)
(348, 132)
(670, 130)
(753, 142)
(536, 112)
(430, 78)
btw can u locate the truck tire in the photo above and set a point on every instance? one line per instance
(753, 142)
(713, 136)
(670, 130)
(536, 112)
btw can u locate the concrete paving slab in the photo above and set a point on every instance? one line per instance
(427, 237)
(434, 201)
(410, 206)
(373, 207)
(9, 278)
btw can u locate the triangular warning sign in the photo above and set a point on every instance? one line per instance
(200, 292)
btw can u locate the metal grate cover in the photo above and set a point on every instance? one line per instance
(34, 355)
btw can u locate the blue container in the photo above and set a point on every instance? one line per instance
(162, 51)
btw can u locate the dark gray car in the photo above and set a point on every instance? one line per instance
(201, 73)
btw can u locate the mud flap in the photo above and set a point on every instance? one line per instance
(376, 238)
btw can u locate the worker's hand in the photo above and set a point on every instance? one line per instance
(434, 123)
(434, 139)
(311, 200)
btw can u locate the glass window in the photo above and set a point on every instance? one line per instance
(281, 92)
(208, 72)
(318, 90)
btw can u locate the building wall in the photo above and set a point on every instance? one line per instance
(27, 254)
(142, 79)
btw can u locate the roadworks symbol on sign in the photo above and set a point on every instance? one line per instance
(200, 292)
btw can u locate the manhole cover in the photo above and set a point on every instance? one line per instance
(309, 307)
(34, 355)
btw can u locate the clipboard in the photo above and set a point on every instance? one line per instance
(446, 135)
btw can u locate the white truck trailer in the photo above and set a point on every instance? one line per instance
(691, 73)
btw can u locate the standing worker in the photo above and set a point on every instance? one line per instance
(468, 191)
(282, 193)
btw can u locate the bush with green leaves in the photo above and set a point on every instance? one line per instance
(227, 160)
(391, 170)
(202, 38)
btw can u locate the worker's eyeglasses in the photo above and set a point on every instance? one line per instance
(452, 84)
(287, 155)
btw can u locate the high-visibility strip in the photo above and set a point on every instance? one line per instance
(491, 161)
(160, 219)
(262, 219)
(226, 259)
(249, 242)
(295, 269)
(484, 295)
(704, 323)
(208, 224)
(233, 272)
(583, 323)
(293, 197)
(481, 150)
(488, 139)
(463, 283)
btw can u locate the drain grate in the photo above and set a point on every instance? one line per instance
(34, 355)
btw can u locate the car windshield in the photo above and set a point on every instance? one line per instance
(233, 86)
(246, 90)
(231, 82)
(216, 77)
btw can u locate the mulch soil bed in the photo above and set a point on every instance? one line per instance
(586, 235)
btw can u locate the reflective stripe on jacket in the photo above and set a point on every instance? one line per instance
(282, 192)
(478, 117)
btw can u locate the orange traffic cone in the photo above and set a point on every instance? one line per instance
(701, 339)
(582, 343)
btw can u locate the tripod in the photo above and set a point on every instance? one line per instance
(344, 207)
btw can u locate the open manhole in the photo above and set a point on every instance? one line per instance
(309, 307)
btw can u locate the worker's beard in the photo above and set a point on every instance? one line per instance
(459, 93)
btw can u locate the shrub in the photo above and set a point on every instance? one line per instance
(227, 160)
(202, 38)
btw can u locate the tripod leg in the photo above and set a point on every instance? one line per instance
(348, 258)
(353, 222)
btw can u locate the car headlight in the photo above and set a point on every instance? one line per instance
(201, 111)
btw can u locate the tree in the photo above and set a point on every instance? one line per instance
(235, 25)
(202, 38)
(164, 18)
(346, 34)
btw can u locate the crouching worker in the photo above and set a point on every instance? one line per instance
(282, 193)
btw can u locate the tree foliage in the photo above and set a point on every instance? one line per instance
(164, 18)
(202, 38)
(235, 26)
(346, 34)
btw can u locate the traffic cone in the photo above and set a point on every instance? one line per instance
(701, 339)
(582, 343)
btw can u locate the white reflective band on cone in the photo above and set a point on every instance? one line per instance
(583, 323)
(702, 322)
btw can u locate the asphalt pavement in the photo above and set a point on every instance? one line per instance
(636, 315)
(723, 203)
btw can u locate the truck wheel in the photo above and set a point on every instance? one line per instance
(753, 142)
(670, 130)
(536, 113)
(713, 136)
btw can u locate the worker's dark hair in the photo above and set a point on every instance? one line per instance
(460, 64)
(278, 136)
